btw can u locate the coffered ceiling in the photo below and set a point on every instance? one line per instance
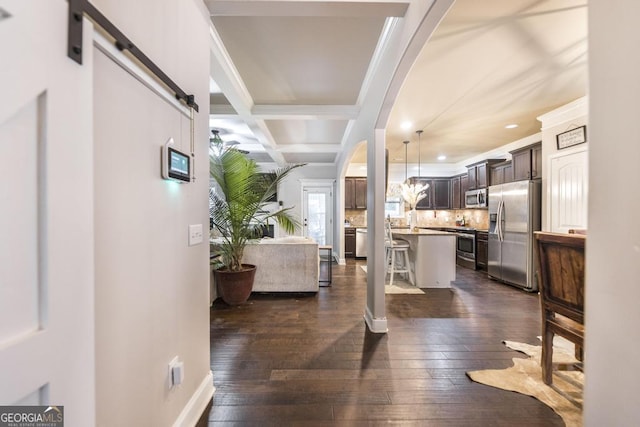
(289, 78)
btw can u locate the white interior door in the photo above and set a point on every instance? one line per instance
(46, 214)
(569, 188)
(317, 211)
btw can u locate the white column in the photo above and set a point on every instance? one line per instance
(612, 341)
(375, 311)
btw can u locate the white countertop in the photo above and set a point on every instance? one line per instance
(421, 232)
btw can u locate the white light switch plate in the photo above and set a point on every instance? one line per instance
(195, 234)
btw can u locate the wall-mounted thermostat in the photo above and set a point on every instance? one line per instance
(176, 165)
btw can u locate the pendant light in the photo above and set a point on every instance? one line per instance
(419, 132)
(406, 144)
(411, 193)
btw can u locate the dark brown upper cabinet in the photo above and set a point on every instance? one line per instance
(441, 193)
(464, 186)
(501, 173)
(456, 196)
(355, 193)
(527, 162)
(478, 173)
(437, 195)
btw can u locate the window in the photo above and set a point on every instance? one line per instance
(394, 207)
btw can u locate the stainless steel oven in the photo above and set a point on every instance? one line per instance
(466, 248)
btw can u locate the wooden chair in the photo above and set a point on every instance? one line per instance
(561, 282)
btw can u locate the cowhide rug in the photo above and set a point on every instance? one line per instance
(564, 396)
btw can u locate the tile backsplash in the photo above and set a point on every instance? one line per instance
(356, 217)
(474, 218)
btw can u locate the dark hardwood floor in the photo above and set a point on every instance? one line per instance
(308, 359)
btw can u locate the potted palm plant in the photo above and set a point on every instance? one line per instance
(238, 214)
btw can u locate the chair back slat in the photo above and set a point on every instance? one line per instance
(388, 236)
(561, 272)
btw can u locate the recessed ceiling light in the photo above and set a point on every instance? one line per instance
(511, 126)
(398, 159)
(406, 125)
(442, 157)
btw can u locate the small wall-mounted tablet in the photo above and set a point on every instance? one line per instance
(176, 166)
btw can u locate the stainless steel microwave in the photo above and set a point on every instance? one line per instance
(476, 198)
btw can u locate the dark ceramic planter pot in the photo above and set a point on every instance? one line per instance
(235, 286)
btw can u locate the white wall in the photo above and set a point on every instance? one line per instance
(290, 191)
(152, 289)
(562, 119)
(612, 340)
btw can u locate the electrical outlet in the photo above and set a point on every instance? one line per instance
(176, 372)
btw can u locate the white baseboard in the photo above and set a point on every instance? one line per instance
(197, 404)
(377, 326)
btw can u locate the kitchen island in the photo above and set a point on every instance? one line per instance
(432, 255)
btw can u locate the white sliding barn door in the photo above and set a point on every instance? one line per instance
(569, 189)
(46, 214)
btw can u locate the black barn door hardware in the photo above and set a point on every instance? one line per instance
(78, 9)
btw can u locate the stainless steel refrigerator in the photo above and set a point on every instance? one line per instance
(514, 214)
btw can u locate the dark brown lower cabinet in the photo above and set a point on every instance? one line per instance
(349, 242)
(482, 250)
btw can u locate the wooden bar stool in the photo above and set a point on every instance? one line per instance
(397, 256)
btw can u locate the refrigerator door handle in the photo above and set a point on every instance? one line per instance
(500, 220)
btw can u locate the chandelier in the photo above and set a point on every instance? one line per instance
(413, 193)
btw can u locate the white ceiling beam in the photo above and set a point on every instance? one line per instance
(315, 8)
(390, 27)
(310, 148)
(291, 112)
(230, 82)
(306, 112)
(226, 74)
(220, 111)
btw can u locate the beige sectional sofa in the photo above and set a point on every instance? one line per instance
(285, 264)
